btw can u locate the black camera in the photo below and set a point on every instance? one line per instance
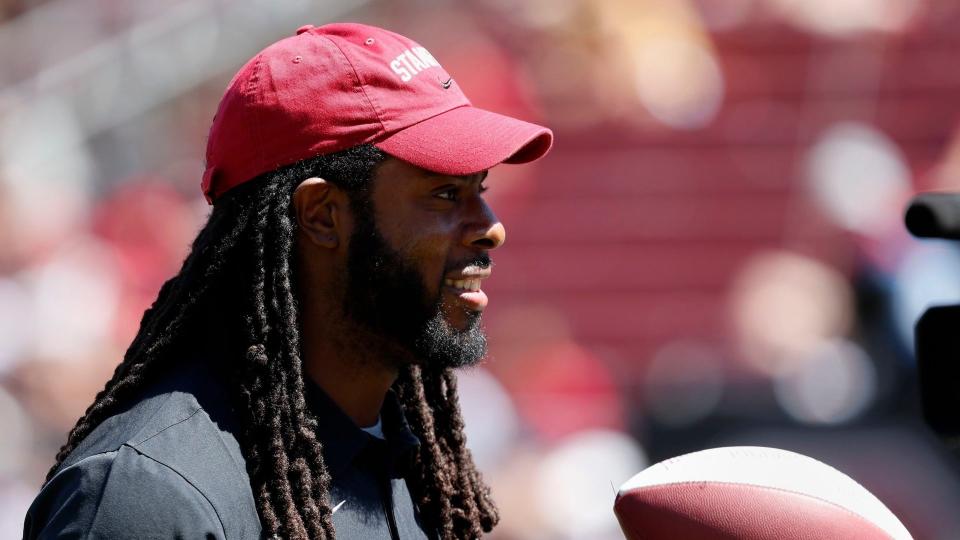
(937, 215)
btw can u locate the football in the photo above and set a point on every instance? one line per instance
(751, 493)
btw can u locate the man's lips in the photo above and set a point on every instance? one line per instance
(465, 285)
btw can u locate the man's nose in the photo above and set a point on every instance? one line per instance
(484, 231)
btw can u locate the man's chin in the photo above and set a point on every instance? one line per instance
(462, 321)
(442, 345)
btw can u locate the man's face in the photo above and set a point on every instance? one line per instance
(418, 253)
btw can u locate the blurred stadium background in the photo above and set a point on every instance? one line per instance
(712, 255)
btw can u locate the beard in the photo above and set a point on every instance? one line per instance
(386, 296)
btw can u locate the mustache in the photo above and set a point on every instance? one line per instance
(480, 260)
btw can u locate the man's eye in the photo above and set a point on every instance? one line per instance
(450, 194)
(453, 193)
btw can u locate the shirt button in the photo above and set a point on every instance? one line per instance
(304, 28)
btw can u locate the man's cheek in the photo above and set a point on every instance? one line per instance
(432, 269)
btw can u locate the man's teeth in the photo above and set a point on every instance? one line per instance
(464, 284)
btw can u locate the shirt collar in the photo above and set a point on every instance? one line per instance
(344, 443)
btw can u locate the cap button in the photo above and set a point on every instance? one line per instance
(304, 28)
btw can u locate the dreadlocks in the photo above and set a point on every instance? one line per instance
(240, 272)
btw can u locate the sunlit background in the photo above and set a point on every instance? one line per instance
(712, 255)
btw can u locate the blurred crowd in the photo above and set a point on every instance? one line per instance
(713, 254)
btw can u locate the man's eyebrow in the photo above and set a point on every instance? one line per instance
(479, 177)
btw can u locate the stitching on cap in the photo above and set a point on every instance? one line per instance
(257, 127)
(359, 80)
(429, 118)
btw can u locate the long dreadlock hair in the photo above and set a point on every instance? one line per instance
(240, 271)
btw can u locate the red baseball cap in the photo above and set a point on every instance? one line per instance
(332, 87)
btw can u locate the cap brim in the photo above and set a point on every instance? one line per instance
(468, 140)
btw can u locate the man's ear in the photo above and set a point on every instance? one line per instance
(321, 209)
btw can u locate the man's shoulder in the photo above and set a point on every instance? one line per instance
(121, 494)
(182, 417)
(175, 445)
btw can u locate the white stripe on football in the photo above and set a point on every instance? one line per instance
(775, 473)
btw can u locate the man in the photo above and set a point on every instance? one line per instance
(294, 380)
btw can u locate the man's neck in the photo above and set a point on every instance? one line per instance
(359, 393)
(356, 371)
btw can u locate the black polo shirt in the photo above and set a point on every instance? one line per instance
(170, 466)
